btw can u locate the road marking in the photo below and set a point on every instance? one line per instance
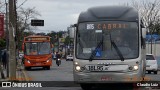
(25, 75)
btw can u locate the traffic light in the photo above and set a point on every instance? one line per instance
(37, 22)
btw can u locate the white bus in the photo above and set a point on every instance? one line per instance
(109, 46)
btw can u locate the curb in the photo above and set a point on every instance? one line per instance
(24, 74)
(20, 74)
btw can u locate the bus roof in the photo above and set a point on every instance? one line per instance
(36, 36)
(109, 13)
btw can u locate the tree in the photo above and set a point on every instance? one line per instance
(2, 7)
(150, 13)
(68, 40)
(23, 21)
(24, 17)
(2, 43)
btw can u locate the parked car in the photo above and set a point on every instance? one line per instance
(151, 64)
(69, 57)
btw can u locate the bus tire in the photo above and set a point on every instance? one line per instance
(149, 72)
(27, 68)
(86, 86)
(155, 72)
(48, 68)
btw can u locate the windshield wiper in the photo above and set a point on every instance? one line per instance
(117, 50)
(79, 41)
(94, 52)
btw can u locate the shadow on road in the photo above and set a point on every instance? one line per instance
(40, 69)
(117, 87)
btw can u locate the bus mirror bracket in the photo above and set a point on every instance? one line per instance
(23, 46)
(71, 30)
(144, 32)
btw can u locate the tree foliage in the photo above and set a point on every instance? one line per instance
(150, 13)
(2, 43)
(2, 6)
(24, 16)
(55, 35)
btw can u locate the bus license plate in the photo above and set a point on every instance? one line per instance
(97, 68)
(38, 63)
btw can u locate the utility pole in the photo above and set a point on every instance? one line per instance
(12, 48)
(151, 41)
(7, 38)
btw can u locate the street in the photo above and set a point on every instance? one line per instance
(64, 72)
(114, 41)
(61, 77)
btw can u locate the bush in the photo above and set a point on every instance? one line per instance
(2, 43)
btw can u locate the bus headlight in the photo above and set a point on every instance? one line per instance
(47, 61)
(135, 67)
(76, 63)
(78, 68)
(28, 61)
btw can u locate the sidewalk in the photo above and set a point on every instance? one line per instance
(19, 74)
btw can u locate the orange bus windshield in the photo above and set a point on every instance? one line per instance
(37, 48)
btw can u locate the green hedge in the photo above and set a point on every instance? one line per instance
(2, 43)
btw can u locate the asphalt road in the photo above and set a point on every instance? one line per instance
(61, 78)
(56, 76)
(64, 72)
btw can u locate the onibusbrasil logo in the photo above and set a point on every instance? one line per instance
(20, 84)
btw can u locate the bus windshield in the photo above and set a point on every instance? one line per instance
(37, 48)
(111, 40)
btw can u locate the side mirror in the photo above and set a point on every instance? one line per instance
(52, 46)
(71, 31)
(23, 46)
(144, 32)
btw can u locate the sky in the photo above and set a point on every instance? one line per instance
(59, 14)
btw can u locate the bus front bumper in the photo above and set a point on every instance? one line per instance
(107, 77)
(38, 64)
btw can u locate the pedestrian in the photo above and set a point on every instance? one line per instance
(4, 58)
(58, 55)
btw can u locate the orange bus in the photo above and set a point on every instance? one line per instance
(37, 52)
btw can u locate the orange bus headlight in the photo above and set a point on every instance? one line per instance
(28, 61)
(47, 61)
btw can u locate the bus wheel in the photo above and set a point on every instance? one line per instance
(149, 72)
(48, 68)
(86, 86)
(155, 72)
(27, 68)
